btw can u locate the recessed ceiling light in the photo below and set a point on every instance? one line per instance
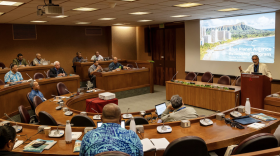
(82, 22)
(179, 16)
(144, 20)
(230, 9)
(187, 5)
(9, 3)
(39, 21)
(85, 9)
(118, 24)
(1, 13)
(139, 13)
(59, 16)
(106, 19)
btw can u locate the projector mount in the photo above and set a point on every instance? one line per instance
(49, 9)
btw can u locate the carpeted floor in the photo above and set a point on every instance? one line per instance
(148, 101)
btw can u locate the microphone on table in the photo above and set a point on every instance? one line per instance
(29, 63)
(46, 74)
(97, 116)
(69, 92)
(63, 71)
(127, 113)
(232, 83)
(194, 78)
(16, 127)
(207, 122)
(210, 79)
(174, 76)
(235, 114)
(30, 78)
(136, 65)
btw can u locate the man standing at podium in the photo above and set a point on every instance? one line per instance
(257, 67)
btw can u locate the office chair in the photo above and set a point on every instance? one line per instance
(46, 119)
(82, 121)
(138, 121)
(225, 80)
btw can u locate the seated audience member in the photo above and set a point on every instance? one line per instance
(110, 136)
(57, 70)
(180, 111)
(13, 75)
(92, 69)
(116, 66)
(78, 58)
(38, 60)
(7, 141)
(35, 91)
(97, 57)
(20, 61)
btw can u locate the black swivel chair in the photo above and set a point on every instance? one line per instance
(256, 142)
(138, 121)
(46, 119)
(187, 146)
(82, 121)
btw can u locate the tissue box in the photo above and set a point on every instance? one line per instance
(107, 96)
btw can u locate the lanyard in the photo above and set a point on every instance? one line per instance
(180, 109)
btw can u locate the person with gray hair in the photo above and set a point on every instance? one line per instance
(57, 70)
(180, 111)
(38, 60)
(35, 91)
(111, 136)
(257, 67)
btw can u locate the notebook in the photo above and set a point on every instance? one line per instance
(76, 135)
(154, 144)
(18, 143)
(77, 146)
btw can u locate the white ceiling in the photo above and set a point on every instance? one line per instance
(161, 11)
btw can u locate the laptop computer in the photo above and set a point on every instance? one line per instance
(160, 108)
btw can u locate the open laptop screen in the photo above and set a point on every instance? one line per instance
(160, 108)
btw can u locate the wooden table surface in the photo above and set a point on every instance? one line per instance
(209, 98)
(13, 96)
(30, 70)
(272, 102)
(130, 79)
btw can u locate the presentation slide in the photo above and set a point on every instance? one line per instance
(236, 39)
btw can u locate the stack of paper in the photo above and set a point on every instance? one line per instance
(18, 143)
(46, 146)
(76, 135)
(256, 125)
(154, 144)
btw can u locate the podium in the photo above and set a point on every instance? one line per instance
(256, 88)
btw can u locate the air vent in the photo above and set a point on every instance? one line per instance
(24, 32)
(93, 31)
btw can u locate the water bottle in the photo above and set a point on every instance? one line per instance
(247, 106)
(68, 132)
(132, 125)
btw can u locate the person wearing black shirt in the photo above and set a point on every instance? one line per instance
(57, 70)
(7, 141)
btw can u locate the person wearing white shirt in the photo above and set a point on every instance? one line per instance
(97, 57)
(257, 67)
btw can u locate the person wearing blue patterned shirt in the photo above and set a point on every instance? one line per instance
(35, 91)
(110, 136)
(13, 75)
(116, 66)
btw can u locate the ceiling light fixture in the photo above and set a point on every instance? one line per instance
(1, 13)
(229, 9)
(106, 19)
(180, 16)
(82, 22)
(39, 21)
(139, 13)
(129, 0)
(9, 3)
(59, 16)
(144, 20)
(85, 9)
(118, 24)
(188, 5)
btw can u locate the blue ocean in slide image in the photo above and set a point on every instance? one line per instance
(243, 49)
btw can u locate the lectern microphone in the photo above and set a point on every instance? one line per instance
(174, 76)
(136, 65)
(16, 127)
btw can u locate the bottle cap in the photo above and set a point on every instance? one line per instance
(247, 98)
(67, 121)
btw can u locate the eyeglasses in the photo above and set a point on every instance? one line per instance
(233, 123)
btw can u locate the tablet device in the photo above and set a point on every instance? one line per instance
(160, 108)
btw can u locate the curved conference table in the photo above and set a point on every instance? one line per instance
(217, 136)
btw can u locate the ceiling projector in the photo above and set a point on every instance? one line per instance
(49, 9)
